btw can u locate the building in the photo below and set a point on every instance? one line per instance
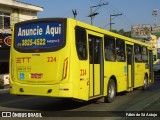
(156, 31)
(153, 42)
(11, 12)
(158, 48)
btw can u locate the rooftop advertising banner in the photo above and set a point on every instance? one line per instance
(141, 31)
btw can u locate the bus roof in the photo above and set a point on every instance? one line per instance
(107, 32)
(89, 27)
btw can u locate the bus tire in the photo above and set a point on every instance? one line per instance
(145, 83)
(111, 91)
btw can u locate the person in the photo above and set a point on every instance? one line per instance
(109, 52)
(82, 52)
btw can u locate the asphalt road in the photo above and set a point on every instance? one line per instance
(137, 100)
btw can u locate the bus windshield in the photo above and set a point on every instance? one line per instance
(41, 36)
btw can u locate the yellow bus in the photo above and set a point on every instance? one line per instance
(66, 58)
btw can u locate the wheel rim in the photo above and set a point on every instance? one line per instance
(111, 91)
(145, 81)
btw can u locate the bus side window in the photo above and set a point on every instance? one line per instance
(137, 51)
(154, 57)
(81, 43)
(120, 49)
(144, 54)
(109, 46)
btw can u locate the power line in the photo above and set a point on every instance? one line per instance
(124, 19)
(93, 14)
(114, 15)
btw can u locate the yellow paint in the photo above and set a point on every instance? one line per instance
(129, 76)
(79, 75)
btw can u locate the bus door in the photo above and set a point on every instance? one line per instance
(96, 65)
(130, 66)
(151, 76)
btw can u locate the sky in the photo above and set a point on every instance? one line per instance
(134, 12)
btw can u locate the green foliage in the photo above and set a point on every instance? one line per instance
(122, 32)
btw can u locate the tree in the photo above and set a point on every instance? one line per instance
(122, 32)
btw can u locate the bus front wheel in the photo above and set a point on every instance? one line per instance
(111, 91)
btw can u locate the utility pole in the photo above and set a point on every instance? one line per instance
(74, 13)
(93, 14)
(115, 15)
